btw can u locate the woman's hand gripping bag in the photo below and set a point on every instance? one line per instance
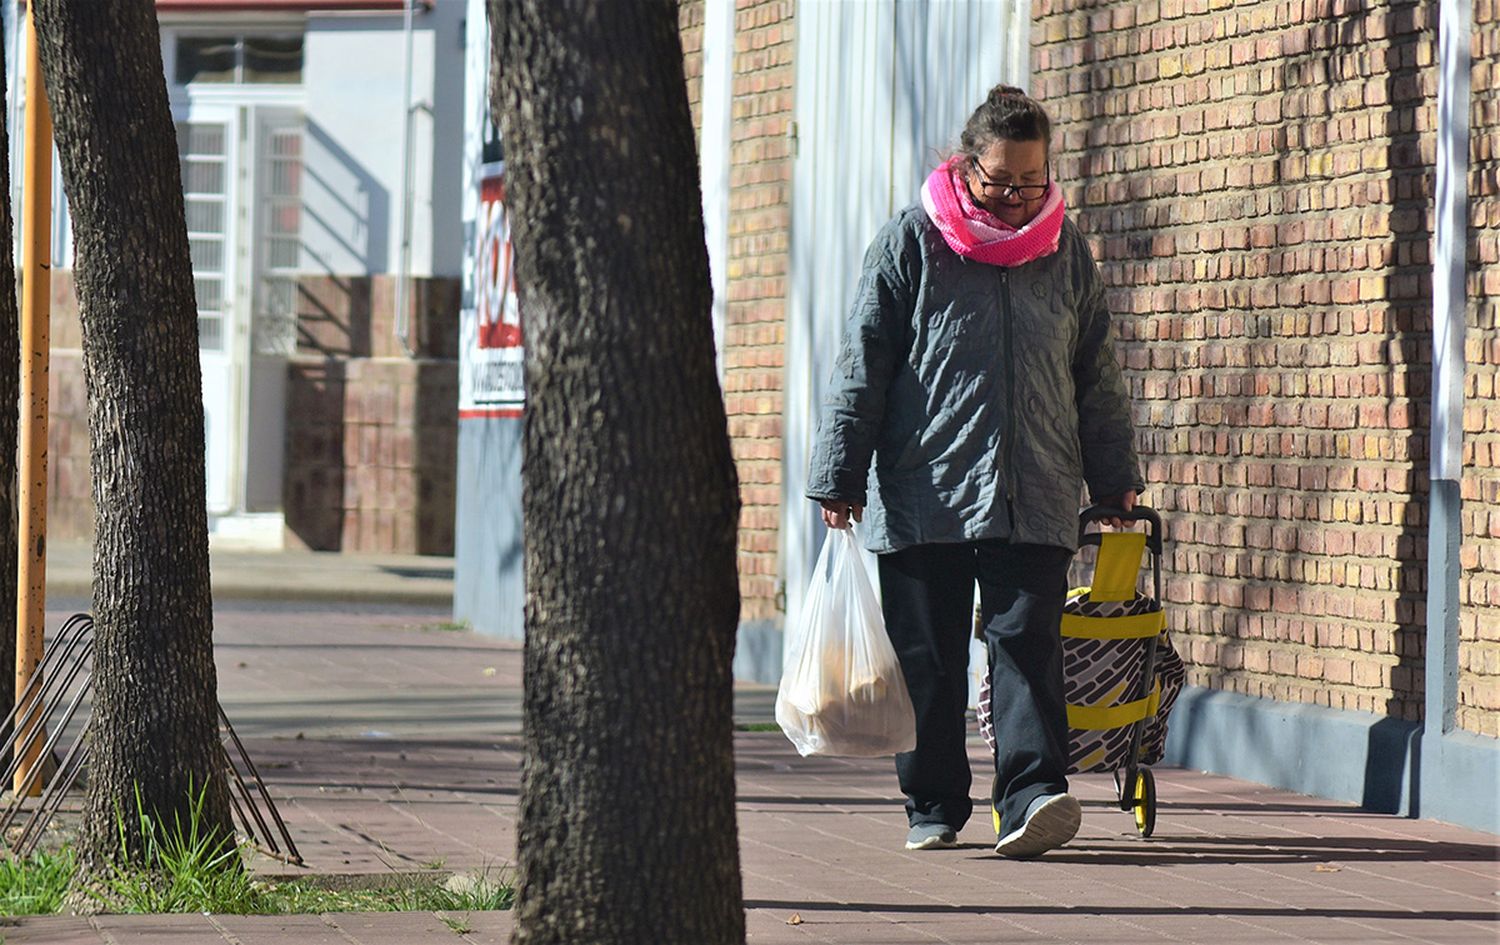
(842, 692)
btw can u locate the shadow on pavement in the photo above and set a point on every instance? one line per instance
(1216, 911)
(1166, 850)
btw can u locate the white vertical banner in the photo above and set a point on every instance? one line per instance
(713, 153)
(1450, 239)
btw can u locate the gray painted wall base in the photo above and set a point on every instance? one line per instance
(757, 651)
(1460, 783)
(488, 582)
(1363, 758)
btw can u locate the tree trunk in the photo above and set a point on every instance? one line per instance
(627, 830)
(155, 728)
(10, 393)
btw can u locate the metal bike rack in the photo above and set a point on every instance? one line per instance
(62, 685)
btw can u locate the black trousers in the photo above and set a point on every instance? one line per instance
(928, 600)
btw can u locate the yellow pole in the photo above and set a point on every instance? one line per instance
(36, 304)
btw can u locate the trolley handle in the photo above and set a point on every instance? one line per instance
(1141, 513)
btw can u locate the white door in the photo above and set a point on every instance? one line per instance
(274, 209)
(206, 146)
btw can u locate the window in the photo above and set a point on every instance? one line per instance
(206, 59)
(243, 60)
(272, 59)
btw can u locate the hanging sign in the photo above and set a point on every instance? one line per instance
(491, 372)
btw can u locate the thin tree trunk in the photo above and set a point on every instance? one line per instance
(10, 392)
(155, 728)
(627, 830)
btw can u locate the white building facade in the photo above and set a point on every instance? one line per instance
(320, 145)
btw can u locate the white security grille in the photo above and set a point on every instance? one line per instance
(202, 149)
(279, 256)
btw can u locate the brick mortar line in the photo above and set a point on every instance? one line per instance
(1271, 646)
(1422, 99)
(1311, 55)
(103, 933)
(1215, 16)
(224, 933)
(329, 922)
(1373, 209)
(1245, 584)
(1196, 544)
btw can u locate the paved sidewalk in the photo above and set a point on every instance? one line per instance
(408, 758)
(418, 580)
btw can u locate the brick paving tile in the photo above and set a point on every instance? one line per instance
(150, 930)
(384, 929)
(487, 928)
(280, 930)
(48, 930)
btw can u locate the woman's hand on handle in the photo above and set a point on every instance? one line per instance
(1124, 501)
(838, 514)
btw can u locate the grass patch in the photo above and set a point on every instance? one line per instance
(35, 885)
(757, 727)
(189, 881)
(456, 926)
(185, 868)
(484, 893)
(194, 881)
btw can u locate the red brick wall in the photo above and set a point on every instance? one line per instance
(371, 452)
(690, 28)
(1479, 618)
(1255, 180)
(755, 329)
(372, 434)
(759, 218)
(70, 479)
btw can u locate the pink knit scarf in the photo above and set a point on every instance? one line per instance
(978, 234)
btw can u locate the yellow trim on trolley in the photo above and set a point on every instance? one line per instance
(1137, 627)
(1114, 716)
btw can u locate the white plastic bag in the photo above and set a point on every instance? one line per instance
(842, 692)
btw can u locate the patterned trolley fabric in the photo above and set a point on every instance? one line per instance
(1104, 654)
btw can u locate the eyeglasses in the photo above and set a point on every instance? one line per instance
(996, 189)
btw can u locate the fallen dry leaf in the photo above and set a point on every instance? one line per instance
(796, 919)
(1326, 868)
(489, 671)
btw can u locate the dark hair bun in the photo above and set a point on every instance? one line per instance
(1008, 114)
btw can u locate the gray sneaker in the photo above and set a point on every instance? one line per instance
(1051, 821)
(931, 837)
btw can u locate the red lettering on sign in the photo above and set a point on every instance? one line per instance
(495, 281)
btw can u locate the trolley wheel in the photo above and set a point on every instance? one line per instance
(1145, 802)
(1124, 789)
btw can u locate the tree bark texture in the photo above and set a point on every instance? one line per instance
(627, 818)
(10, 392)
(155, 727)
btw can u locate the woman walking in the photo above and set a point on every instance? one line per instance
(977, 373)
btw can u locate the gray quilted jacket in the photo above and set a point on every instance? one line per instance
(986, 396)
